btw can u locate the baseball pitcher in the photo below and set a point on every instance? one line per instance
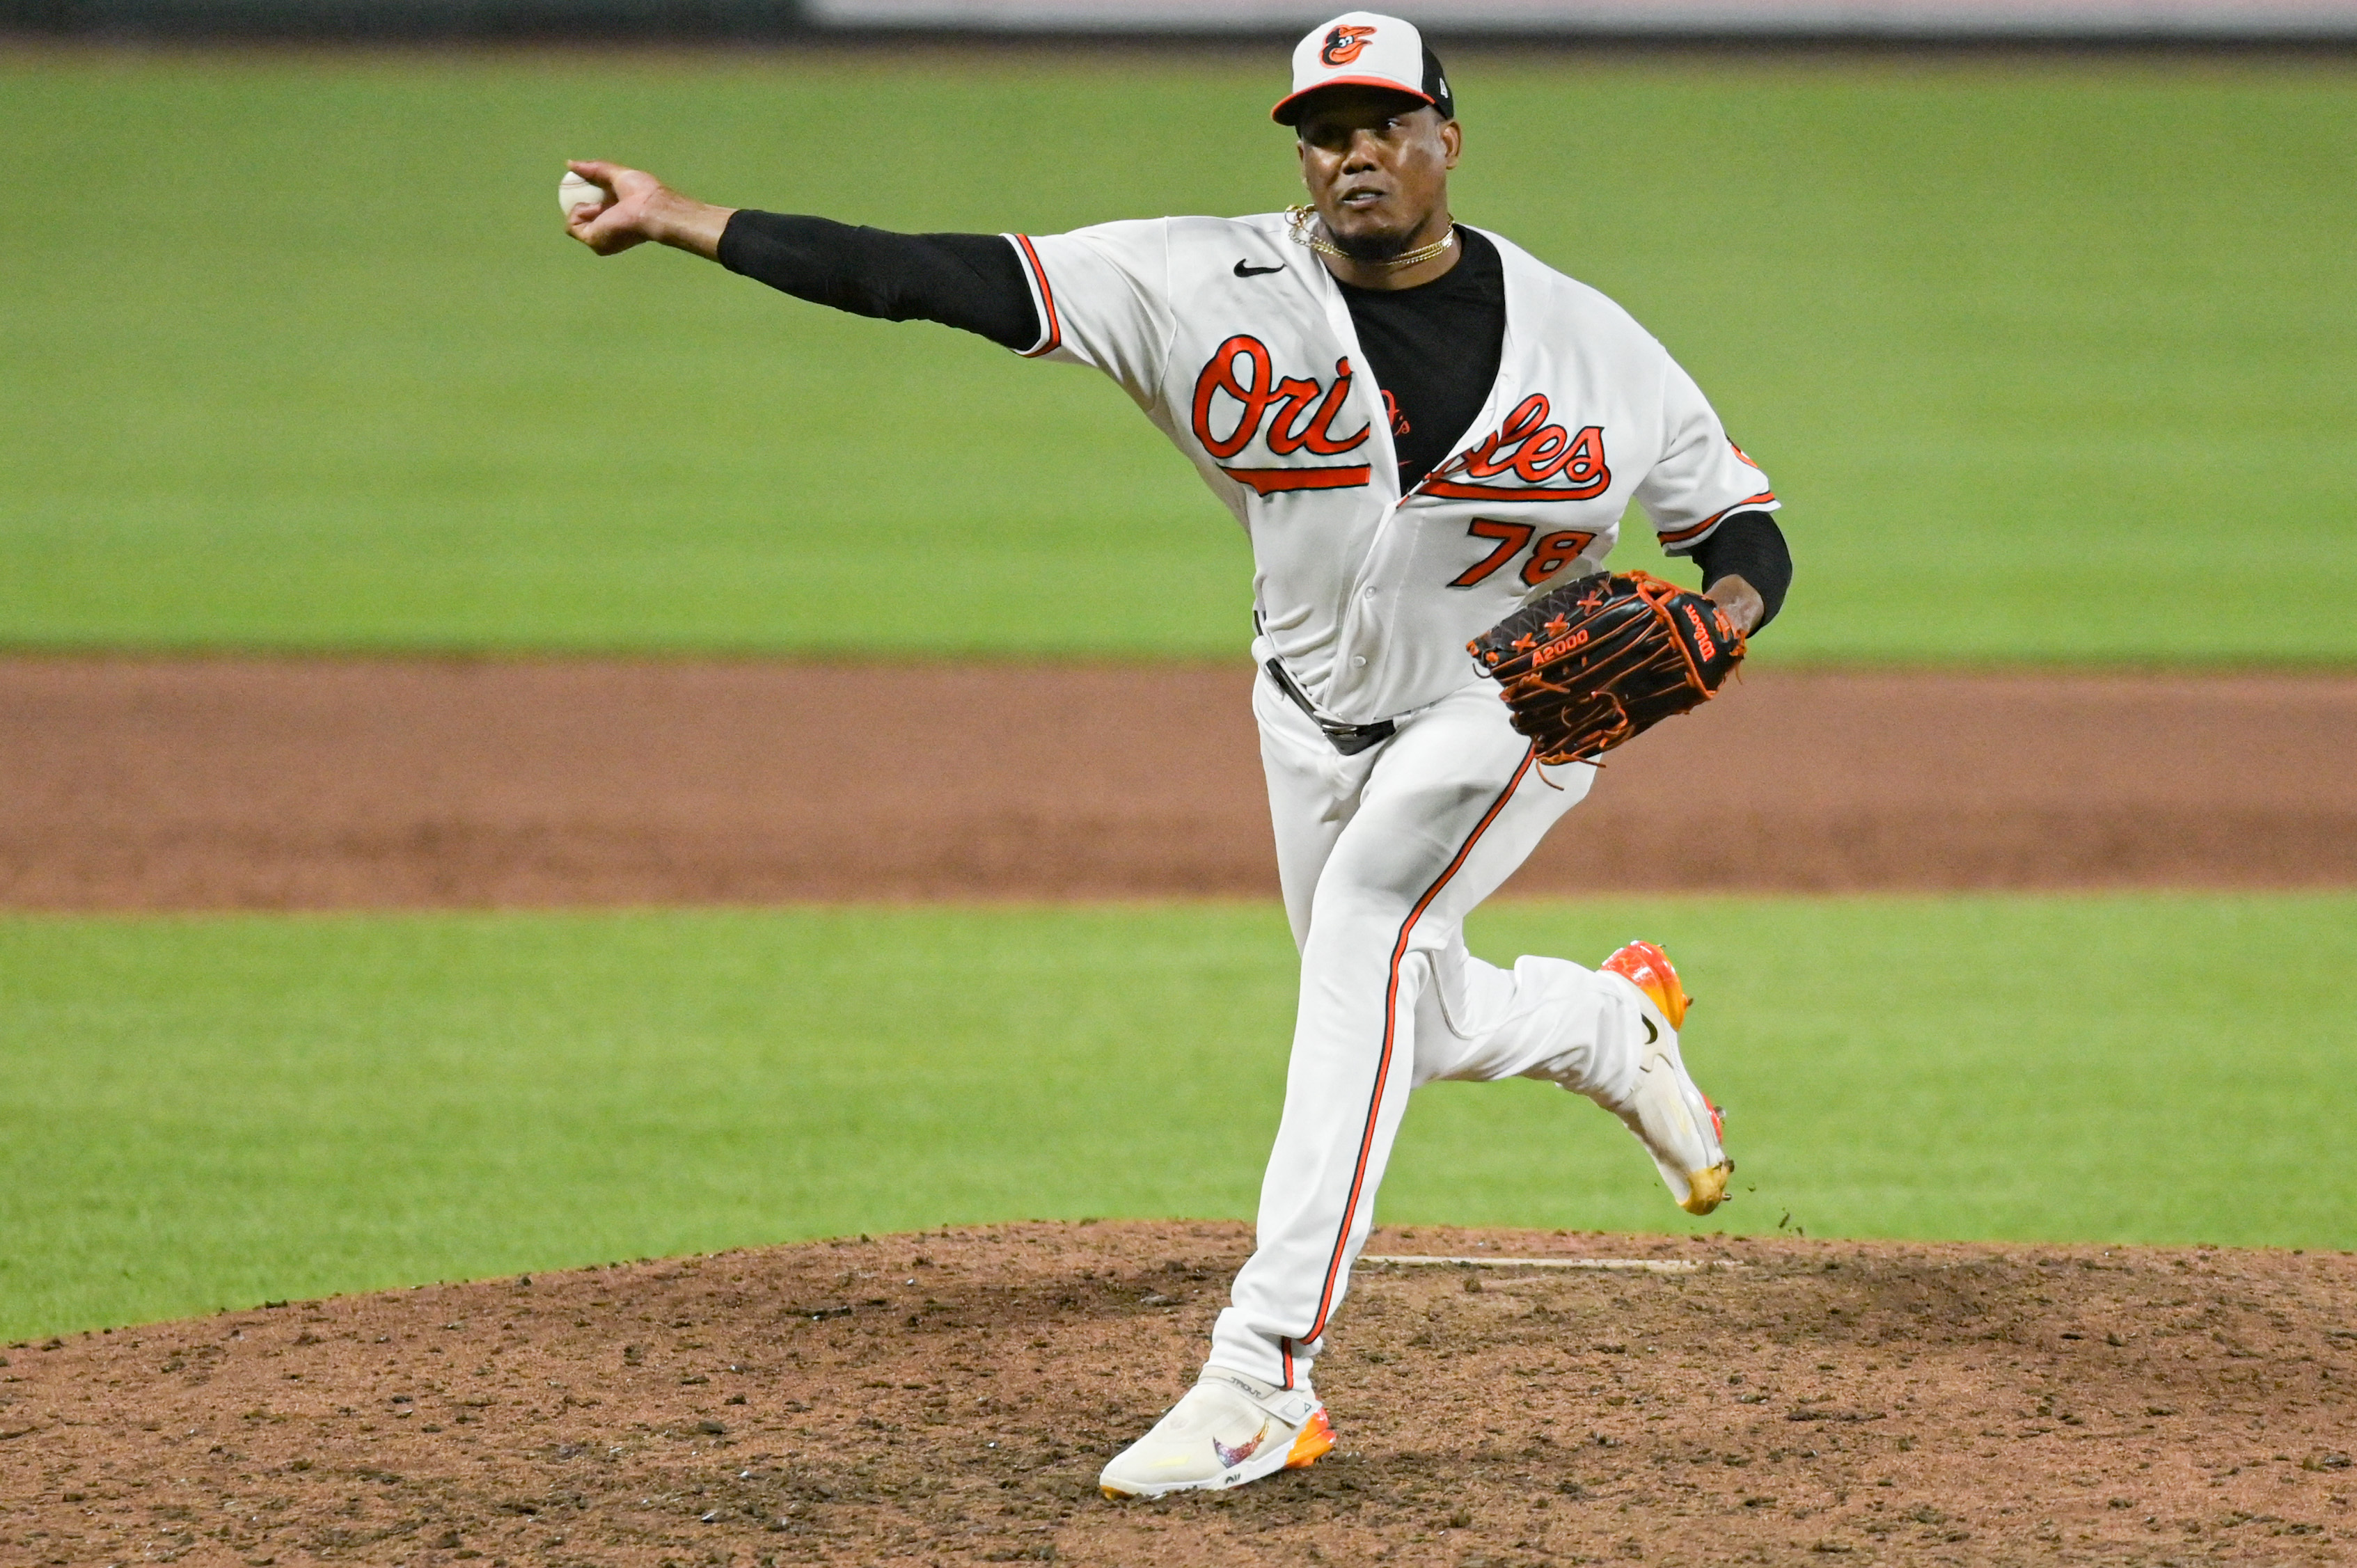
(1430, 437)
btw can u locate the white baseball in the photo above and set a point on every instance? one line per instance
(573, 191)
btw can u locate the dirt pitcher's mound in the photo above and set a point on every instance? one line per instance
(949, 1398)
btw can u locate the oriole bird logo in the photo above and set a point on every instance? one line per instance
(1344, 44)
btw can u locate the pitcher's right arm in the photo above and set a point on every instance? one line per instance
(974, 281)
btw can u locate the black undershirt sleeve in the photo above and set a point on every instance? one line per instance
(1750, 546)
(973, 282)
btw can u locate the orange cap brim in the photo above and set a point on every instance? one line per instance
(1288, 111)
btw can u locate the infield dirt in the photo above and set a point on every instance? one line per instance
(319, 783)
(949, 1398)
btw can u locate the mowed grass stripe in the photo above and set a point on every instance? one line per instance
(2003, 334)
(199, 1113)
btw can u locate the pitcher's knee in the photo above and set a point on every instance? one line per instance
(1350, 914)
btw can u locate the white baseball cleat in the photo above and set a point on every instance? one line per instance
(1675, 1120)
(1229, 1429)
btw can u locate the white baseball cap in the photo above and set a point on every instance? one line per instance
(1364, 48)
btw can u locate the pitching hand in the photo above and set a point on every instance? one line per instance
(638, 207)
(1740, 600)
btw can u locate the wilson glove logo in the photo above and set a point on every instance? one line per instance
(1703, 644)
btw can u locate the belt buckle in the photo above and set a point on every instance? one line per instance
(1352, 739)
(1348, 739)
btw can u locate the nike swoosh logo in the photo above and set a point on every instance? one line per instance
(1244, 270)
(1232, 1457)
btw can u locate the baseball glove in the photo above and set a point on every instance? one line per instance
(1605, 658)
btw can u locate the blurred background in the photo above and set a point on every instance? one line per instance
(417, 630)
(296, 357)
(2207, 22)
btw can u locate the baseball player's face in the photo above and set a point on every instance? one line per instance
(1377, 165)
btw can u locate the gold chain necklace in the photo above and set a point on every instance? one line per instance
(1300, 218)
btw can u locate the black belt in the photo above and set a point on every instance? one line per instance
(1348, 739)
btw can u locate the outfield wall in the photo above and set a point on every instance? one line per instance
(1895, 21)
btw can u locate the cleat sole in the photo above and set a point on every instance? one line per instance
(1706, 1190)
(1316, 1441)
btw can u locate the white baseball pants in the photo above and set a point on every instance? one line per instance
(1381, 855)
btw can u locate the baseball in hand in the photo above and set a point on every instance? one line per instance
(573, 191)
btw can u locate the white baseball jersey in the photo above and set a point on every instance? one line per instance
(1238, 343)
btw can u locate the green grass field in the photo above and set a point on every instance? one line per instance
(202, 1112)
(295, 355)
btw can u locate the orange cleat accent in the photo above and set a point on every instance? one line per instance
(1316, 1441)
(1648, 968)
(1668, 1111)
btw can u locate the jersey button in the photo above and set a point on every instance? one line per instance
(1360, 662)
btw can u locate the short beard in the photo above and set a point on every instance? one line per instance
(1369, 247)
(1375, 248)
